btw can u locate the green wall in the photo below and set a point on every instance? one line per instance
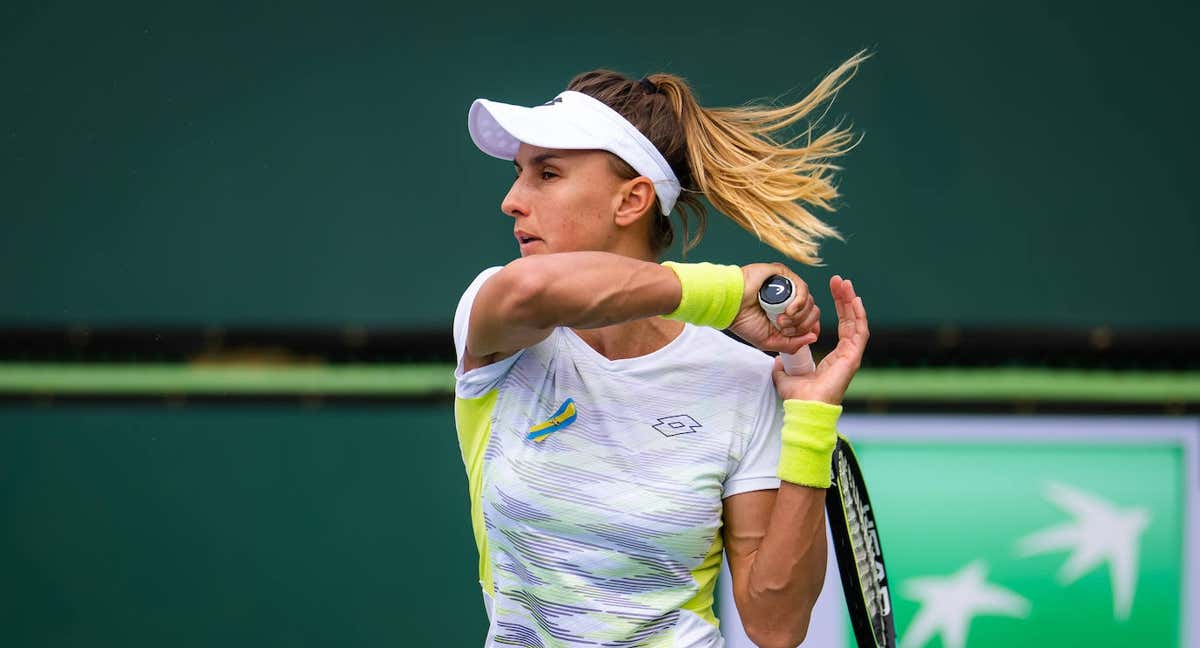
(235, 526)
(240, 163)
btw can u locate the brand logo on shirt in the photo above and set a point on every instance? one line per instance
(676, 425)
(560, 419)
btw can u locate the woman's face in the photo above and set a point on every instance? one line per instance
(563, 201)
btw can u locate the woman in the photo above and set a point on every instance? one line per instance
(615, 441)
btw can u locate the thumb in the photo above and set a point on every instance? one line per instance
(777, 372)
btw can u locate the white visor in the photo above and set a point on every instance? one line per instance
(572, 120)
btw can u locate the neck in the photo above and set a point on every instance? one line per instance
(631, 339)
(638, 337)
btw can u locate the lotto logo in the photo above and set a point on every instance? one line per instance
(676, 425)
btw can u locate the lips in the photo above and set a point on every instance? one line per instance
(524, 237)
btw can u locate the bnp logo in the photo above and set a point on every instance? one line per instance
(1010, 545)
(1098, 534)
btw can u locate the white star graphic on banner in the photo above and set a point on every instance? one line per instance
(1101, 532)
(948, 603)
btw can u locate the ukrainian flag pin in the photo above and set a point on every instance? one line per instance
(562, 418)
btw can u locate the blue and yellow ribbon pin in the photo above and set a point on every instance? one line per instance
(562, 418)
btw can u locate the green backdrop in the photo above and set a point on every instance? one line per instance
(235, 526)
(239, 163)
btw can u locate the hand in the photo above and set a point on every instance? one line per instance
(829, 382)
(799, 325)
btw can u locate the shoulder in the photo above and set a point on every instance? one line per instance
(468, 296)
(479, 280)
(730, 355)
(462, 313)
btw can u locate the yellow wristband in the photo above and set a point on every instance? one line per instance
(712, 294)
(809, 436)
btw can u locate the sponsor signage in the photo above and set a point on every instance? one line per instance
(1002, 531)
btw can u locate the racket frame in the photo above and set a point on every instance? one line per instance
(866, 635)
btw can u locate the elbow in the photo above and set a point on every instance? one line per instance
(780, 608)
(782, 625)
(784, 636)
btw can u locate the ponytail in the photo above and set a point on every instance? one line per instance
(731, 156)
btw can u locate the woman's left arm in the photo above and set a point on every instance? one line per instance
(775, 540)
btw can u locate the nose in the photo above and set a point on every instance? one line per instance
(515, 204)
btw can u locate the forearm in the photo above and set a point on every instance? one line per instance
(782, 557)
(595, 289)
(523, 302)
(788, 567)
(787, 571)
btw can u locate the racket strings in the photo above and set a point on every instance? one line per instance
(864, 549)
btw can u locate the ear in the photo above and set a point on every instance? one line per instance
(637, 200)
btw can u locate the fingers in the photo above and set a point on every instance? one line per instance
(832, 377)
(860, 312)
(791, 344)
(781, 342)
(853, 331)
(777, 371)
(837, 286)
(802, 301)
(805, 317)
(843, 301)
(802, 341)
(807, 322)
(855, 311)
(811, 321)
(801, 316)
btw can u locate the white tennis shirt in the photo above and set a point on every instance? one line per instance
(596, 485)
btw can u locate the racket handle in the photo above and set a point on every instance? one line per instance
(774, 296)
(798, 363)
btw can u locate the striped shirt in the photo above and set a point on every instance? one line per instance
(596, 485)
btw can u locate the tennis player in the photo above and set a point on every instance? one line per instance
(615, 440)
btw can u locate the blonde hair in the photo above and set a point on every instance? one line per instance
(731, 157)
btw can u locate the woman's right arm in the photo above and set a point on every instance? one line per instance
(522, 303)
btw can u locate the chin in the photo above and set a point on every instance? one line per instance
(532, 248)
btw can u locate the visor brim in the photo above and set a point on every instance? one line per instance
(498, 129)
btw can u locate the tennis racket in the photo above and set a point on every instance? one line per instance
(848, 509)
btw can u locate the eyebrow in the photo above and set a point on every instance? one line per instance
(538, 159)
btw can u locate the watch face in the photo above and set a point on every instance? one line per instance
(776, 290)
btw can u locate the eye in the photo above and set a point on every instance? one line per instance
(546, 175)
